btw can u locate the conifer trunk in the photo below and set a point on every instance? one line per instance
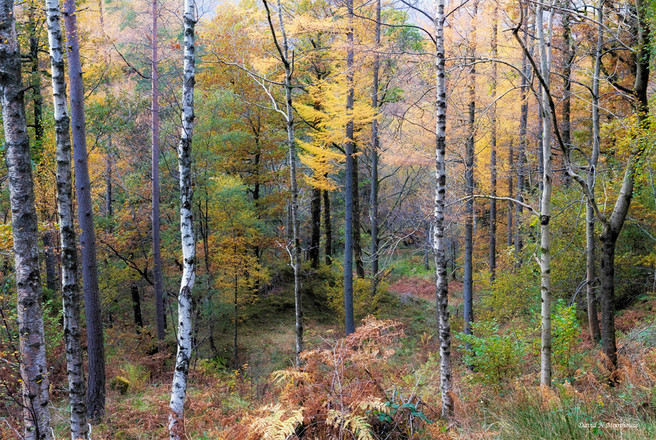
(69, 257)
(34, 373)
(375, 146)
(469, 183)
(327, 227)
(183, 357)
(315, 234)
(157, 257)
(95, 340)
(492, 260)
(349, 148)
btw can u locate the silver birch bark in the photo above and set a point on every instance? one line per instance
(95, 342)
(34, 374)
(545, 202)
(591, 275)
(183, 357)
(439, 243)
(69, 258)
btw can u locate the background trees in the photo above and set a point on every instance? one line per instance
(453, 130)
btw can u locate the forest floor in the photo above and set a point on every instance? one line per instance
(224, 399)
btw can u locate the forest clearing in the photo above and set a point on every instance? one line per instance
(327, 219)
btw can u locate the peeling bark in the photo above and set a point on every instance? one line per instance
(34, 374)
(185, 328)
(439, 242)
(69, 256)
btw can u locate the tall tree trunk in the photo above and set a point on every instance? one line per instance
(375, 147)
(545, 202)
(349, 148)
(34, 373)
(568, 54)
(327, 227)
(157, 256)
(109, 196)
(95, 342)
(283, 52)
(613, 226)
(591, 275)
(469, 182)
(185, 328)
(136, 306)
(357, 235)
(439, 243)
(69, 258)
(49, 257)
(523, 145)
(235, 362)
(511, 194)
(493, 150)
(315, 235)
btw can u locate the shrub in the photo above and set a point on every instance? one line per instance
(495, 355)
(364, 303)
(565, 330)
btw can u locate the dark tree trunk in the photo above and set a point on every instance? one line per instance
(136, 305)
(375, 147)
(95, 341)
(511, 194)
(357, 235)
(327, 227)
(469, 190)
(157, 256)
(315, 235)
(349, 148)
(49, 248)
(493, 153)
(606, 297)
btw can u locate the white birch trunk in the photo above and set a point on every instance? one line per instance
(69, 258)
(439, 244)
(179, 385)
(34, 374)
(545, 203)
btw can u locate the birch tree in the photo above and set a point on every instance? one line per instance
(69, 257)
(95, 339)
(34, 374)
(292, 158)
(439, 242)
(183, 357)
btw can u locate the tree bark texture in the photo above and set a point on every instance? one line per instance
(327, 225)
(34, 373)
(469, 184)
(492, 259)
(349, 148)
(439, 242)
(375, 147)
(68, 240)
(185, 328)
(157, 256)
(315, 233)
(591, 261)
(545, 203)
(95, 341)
